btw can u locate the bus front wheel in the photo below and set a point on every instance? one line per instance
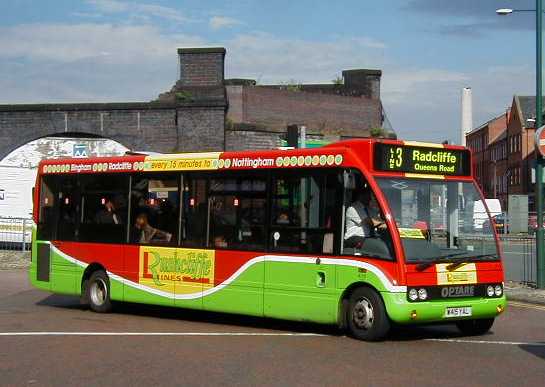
(475, 327)
(98, 292)
(366, 315)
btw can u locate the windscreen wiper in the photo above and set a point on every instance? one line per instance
(454, 262)
(424, 265)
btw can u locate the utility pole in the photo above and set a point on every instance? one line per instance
(540, 247)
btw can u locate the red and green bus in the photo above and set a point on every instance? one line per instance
(265, 233)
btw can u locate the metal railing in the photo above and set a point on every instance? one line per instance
(15, 233)
(519, 258)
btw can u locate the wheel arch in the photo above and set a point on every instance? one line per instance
(89, 270)
(345, 296)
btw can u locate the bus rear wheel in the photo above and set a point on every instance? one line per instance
(475, 327)
(366, 315)
(98, 292)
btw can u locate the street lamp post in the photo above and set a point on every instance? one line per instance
(540, 240)
(540, 233)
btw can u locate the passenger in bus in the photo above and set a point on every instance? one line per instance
(361, 220)
(220, 242)
(107, 214)
(148, 233)
(283, 218)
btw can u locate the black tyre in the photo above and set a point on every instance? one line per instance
(366, 315)
(97, 292)
(475, 327)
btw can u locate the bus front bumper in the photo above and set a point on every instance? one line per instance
(401, 311)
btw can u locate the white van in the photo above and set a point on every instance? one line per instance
(479, 211)
(16, 185)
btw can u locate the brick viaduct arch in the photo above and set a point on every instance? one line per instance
(159, 127)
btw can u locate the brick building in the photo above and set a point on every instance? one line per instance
(203, 112)
(503, 150)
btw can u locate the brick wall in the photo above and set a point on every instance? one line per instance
(321, 113)
(201, 66)
(201, 129)
(139, 126)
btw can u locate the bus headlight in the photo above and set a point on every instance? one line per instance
(413, 295)
(490, 291)
(498, 290)
(422, 294)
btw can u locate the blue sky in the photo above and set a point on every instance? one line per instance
(121, 50)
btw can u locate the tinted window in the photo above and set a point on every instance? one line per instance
(238, 211)
(154, 209)
(195, 211)
(49, 203)
(104, 208)
(59, 208)
(305, 211)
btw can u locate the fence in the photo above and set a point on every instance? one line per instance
(519, 258)
(15, 233)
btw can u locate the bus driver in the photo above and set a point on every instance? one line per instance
(361, 220)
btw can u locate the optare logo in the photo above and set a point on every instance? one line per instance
(458, 291)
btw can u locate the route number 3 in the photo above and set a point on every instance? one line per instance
(396, 158)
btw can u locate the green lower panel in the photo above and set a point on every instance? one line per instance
(301, 292)
(63, 280)
(301, 307)
(132, 294)
(43, 285)
(116, 290)
(235, 299)
(240, 296)
(399, 309)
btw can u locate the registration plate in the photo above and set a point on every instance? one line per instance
(464, 311)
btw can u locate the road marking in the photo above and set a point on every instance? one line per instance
(464, 341)
(525, 305)
(159, 334)
(210, 334)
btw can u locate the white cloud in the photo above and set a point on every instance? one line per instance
(104, 62)
(110, 6)
(141, 11)
(219, 22)
(121, 44)
(270, 59)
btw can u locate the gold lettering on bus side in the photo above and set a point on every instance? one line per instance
(174, 270)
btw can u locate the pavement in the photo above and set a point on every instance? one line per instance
(516, 291)
(51, 340)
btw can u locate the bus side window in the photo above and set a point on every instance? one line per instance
(305, 211)
(104, 208)
(155, 204)
(195, 211)
(237, 211)
(69, 198)
(47, 218)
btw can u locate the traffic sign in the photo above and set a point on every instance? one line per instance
(540, 140)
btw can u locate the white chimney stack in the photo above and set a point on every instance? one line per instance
(467, 114)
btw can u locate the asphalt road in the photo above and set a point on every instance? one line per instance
(138, 345)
